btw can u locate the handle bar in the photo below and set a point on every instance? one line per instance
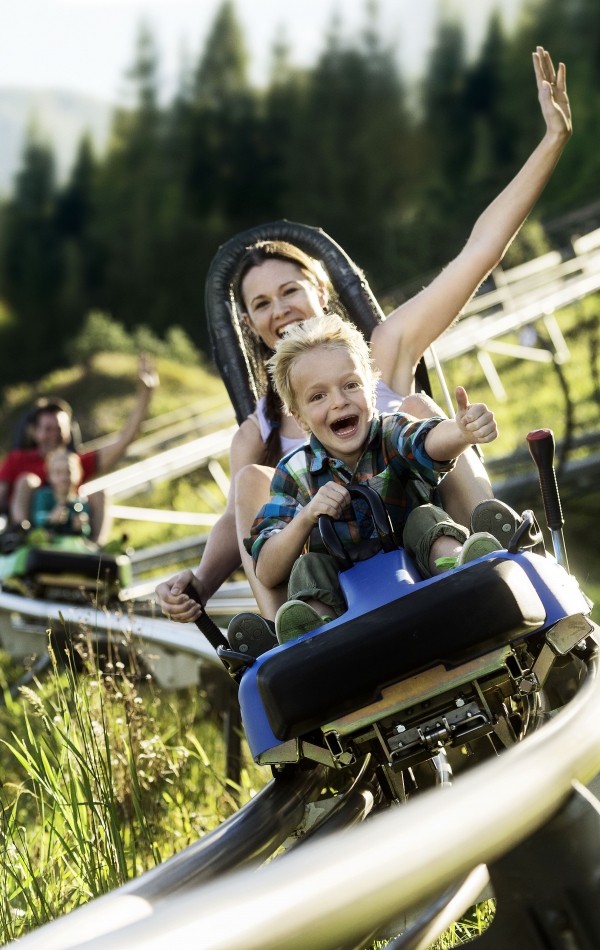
(381, 520)
(541, 446)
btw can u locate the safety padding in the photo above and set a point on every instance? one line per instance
(104, 567)
(456, 618)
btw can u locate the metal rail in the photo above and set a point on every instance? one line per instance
(164, 466)
(245, 839)
(169, 552)
(333, 891)
(174, 636)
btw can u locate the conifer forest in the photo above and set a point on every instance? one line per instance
(396, 175)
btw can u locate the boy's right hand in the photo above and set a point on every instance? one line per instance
(330, 500)
(174, 603)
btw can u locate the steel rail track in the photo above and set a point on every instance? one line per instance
(173, 636)
(331, 892)
(247, 838)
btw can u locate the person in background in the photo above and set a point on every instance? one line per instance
(58, 505)
(24, 470)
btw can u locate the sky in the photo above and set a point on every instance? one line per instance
(86, 46)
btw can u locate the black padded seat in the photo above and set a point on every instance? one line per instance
(101, 566)
(461, 616)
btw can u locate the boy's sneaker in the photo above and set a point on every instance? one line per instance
(478, 545)
(295, 618)
(495, 518)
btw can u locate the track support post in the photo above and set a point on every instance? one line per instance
(547, 888)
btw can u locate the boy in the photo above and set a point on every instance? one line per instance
(323, 374)
(58, 505)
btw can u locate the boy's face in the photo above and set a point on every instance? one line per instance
(333, 397)
(60, 476)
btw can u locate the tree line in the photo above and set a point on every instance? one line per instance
(341, 145)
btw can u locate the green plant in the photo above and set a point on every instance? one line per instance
(104, 777)
(101, 334)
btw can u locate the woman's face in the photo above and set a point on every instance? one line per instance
(276, 294)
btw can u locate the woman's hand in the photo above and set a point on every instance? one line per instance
(174, 603)
(552, 93)
(476, 422)
(331, 499)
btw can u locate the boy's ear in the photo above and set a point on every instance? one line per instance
(299, 420)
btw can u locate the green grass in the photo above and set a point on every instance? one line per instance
(470, 926)
(103, 777)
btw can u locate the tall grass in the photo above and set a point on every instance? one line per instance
(103, 777)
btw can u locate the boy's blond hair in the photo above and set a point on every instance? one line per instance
(326, 330)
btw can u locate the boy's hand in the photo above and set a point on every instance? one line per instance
(330, 500)
(476, 422)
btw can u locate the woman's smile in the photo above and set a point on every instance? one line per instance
(276, 295)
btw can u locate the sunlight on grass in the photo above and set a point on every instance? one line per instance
(103, 778)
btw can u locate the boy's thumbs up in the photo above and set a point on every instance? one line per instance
(476, 421)
(462, 400)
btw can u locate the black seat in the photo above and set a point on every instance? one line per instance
(461, 616)
(104, 567)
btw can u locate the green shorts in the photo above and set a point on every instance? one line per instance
(315, 576)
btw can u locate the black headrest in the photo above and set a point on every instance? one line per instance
(227, 340)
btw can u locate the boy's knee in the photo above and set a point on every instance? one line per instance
(423, 527)
(421, 406)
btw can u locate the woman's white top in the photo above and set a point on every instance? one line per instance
(385, 401)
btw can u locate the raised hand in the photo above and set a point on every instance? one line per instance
(147, 372)
(476, 422)
(552, 93)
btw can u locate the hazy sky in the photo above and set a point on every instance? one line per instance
(86, 45)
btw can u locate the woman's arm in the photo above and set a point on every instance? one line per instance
(221, 555)
(399, 342)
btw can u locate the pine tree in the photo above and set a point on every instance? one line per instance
(31, 273)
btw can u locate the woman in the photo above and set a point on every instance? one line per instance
(278, 285)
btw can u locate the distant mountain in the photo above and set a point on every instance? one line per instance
(60, 117)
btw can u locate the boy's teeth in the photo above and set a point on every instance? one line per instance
(344, 425)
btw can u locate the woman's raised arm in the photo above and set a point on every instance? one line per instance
(399, 342)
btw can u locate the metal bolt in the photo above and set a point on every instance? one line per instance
(239, 636)
(460, 701)
(400, 728)
(506, 528)
(243, 647)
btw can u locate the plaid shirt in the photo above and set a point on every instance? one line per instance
(394, 463)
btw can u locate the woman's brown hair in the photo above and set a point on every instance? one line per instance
(258, 352)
